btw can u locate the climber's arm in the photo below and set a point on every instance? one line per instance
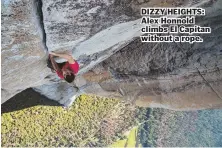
(68, 57)
(54, 64)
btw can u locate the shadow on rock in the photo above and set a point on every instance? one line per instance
(26, 99)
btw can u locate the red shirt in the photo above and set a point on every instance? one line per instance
(73, 67)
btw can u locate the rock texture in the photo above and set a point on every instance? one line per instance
(103, 37)
(68, 23)
(173, 76)
(63, 93)
(22, 49)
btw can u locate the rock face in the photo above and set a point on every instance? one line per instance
(22, 49)
(63, 93)
(103, 37)
(68, 23)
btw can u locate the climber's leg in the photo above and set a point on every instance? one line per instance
(49, 65)
(61, 64)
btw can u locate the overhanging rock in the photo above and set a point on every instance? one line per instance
(94, 32)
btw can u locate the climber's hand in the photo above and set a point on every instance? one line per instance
(51, 56)
(66, 56)
(52, 53)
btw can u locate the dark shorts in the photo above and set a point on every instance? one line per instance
(49, 64)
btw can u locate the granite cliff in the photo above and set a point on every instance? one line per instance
(104, 37)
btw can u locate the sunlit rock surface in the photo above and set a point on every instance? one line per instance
(63, 93)
(22, 50)
(173, 76)
(103, 37)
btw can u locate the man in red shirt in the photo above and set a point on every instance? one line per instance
(66, 70)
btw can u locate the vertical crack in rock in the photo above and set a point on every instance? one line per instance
(214, 90)
(39, 21)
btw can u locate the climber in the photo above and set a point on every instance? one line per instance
(66, 70)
